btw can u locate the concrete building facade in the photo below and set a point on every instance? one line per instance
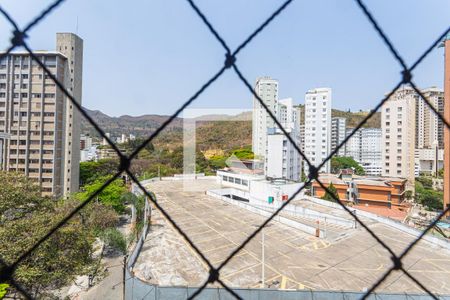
(338, 134)
(301, 125)
(318, 127)
(41, 125)
(365, 148)
(429, 161)
(282, 159)
(399, 130)
(384, 192)
(269, 144)
(429, 128)
(267, 89)
(353, 145)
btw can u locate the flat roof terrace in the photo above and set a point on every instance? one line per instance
(293, 259)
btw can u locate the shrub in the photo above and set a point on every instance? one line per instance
(114, 239)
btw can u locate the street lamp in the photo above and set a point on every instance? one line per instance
(263, 263)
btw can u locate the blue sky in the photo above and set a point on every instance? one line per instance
(149, 57)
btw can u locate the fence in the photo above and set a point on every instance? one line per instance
(19, 40)
(147, 215)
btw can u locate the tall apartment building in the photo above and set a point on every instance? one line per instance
(365, 148)
(398, 125)
(353, 145)
(338, 126)
(267, 89)
(371, 145)
(318, 127)
(282, 159)
(40, 126)
(429, 128)
(301, 125)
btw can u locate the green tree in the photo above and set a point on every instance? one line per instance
(339, 163)
(431, 199)
(217, 162)
(91, 170)
(25, 217)
(132, 145)
(332, 191)
(111, 195)
(426, 181)
(3, 289)
(244, 153)
(114, 239)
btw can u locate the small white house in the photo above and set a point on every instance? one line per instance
(257, 187)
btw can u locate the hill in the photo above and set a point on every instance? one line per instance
(354, 118)
(139, 126)
(229, 132)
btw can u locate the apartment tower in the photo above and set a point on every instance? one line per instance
(338, 126)
(398, 141)
(283, 160)
(39, 125)
(429, 128)
(318, 127)
(301, 125)
(365, 148)
(267, 89)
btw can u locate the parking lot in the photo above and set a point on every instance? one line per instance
(293, 259)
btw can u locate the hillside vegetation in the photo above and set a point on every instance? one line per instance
(354, 118)
(230, 132)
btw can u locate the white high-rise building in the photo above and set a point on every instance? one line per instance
(429, 128)
(365, 148)
(371, 145)
(353, 145)
(338, 126)
(267, 89)
(318, 127)
(398, 124)
(282, 159)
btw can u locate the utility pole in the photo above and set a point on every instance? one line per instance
(263, 260)
(446, 45)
